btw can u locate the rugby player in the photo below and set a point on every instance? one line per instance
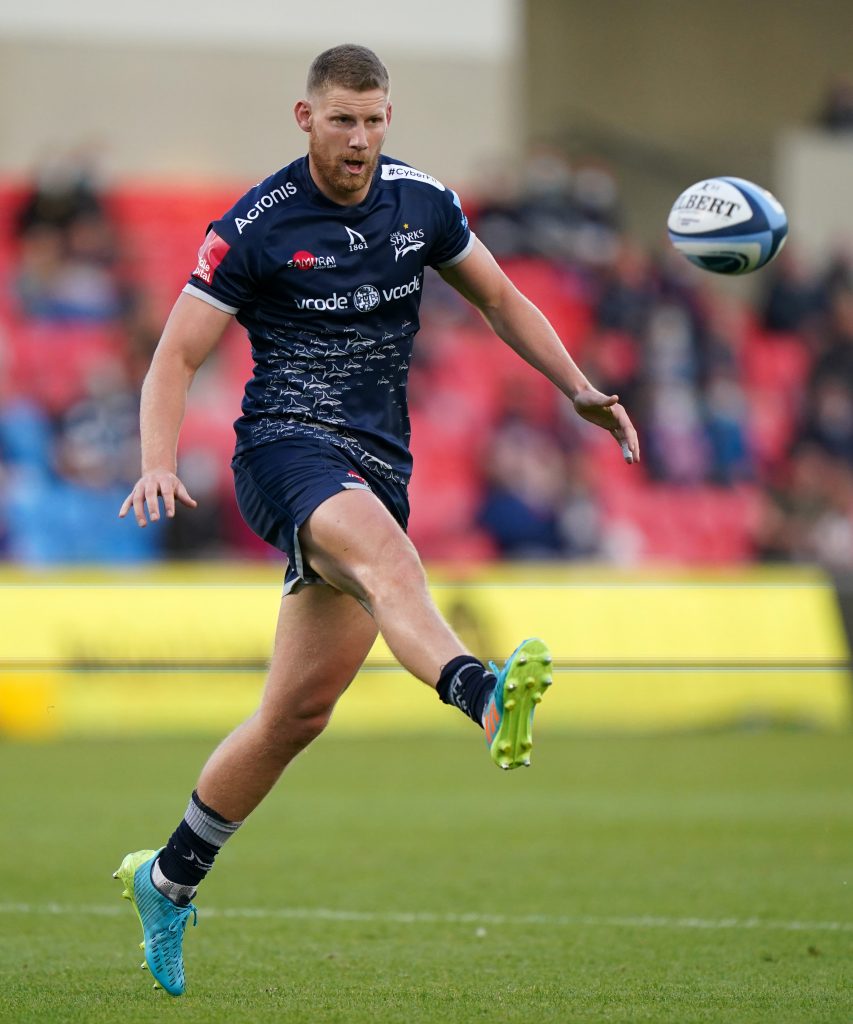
(323, 264)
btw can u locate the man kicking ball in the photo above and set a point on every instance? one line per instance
(323, 264)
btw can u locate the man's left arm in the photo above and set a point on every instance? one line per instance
(514, 318)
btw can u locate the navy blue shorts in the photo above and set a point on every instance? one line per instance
(280, 484)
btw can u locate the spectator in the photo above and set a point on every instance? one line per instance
(68, 247)
(64, 190)
(791, 301)
(810, 518)
(652, 329)
(531, 507)
(829, 419)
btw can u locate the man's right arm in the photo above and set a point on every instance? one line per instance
(191, 333)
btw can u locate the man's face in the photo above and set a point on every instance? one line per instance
(346, 131)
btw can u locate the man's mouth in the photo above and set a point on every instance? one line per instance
(354, 166)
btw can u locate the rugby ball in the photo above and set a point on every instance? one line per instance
(727, 225)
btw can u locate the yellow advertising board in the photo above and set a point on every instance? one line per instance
(183, 649)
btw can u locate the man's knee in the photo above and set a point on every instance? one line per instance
(297, 725)
(305, 728)
(395, 576)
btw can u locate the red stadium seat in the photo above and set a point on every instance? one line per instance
(776, 370)
(54, 364)
(162, 228)
(691, 526)
(777, 362)
(556, 292)
(772, 426)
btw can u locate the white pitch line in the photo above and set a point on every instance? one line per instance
(426, 917)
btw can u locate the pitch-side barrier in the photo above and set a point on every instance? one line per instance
(183, 649)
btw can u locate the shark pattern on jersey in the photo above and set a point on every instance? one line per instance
(329, 296)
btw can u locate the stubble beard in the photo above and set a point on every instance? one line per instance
(331, 169)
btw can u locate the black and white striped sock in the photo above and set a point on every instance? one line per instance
(190, 851)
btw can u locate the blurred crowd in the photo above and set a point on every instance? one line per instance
(745, 410)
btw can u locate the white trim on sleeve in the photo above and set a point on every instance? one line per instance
(191, 289)
(460, 255)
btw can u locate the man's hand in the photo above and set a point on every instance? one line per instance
(147, 488)
(605, 411)
(191, 333)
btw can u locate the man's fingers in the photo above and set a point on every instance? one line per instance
(139, 505)
(605, 411)
(183, 496)
(169, 491)
(630, 446)
(152, 490)
(626, 435)
(146, 494)
(630, 451)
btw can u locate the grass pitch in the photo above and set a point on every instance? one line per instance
(703, 878)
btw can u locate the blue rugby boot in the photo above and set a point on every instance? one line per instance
(508, 717)
(163, 922)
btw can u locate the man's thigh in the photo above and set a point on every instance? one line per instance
(281, 485)
(351, 539)
(322, 639)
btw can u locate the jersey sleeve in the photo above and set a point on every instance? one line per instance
(227, 273)
(456, 239)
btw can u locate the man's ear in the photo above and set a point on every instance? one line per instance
(302, 113)
(388, 113)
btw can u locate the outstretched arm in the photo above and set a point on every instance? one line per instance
(515, 319)
(191, 332)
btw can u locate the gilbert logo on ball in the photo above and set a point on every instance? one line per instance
(727, 225)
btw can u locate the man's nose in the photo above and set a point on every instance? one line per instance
(358, 138)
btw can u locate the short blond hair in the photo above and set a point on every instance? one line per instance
(349, 67)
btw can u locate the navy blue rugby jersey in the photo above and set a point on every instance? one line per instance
(329, 295)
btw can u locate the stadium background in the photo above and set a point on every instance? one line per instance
(571, 132)
(680, 850)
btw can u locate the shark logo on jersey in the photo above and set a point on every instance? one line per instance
(406, 241)
(356, 239)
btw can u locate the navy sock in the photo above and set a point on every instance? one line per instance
(466, 684)
(192, 847)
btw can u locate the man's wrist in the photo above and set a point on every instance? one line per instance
(576, 387)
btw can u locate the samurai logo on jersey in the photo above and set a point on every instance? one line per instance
(406, 241)
(304, 260)
(210, 255)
